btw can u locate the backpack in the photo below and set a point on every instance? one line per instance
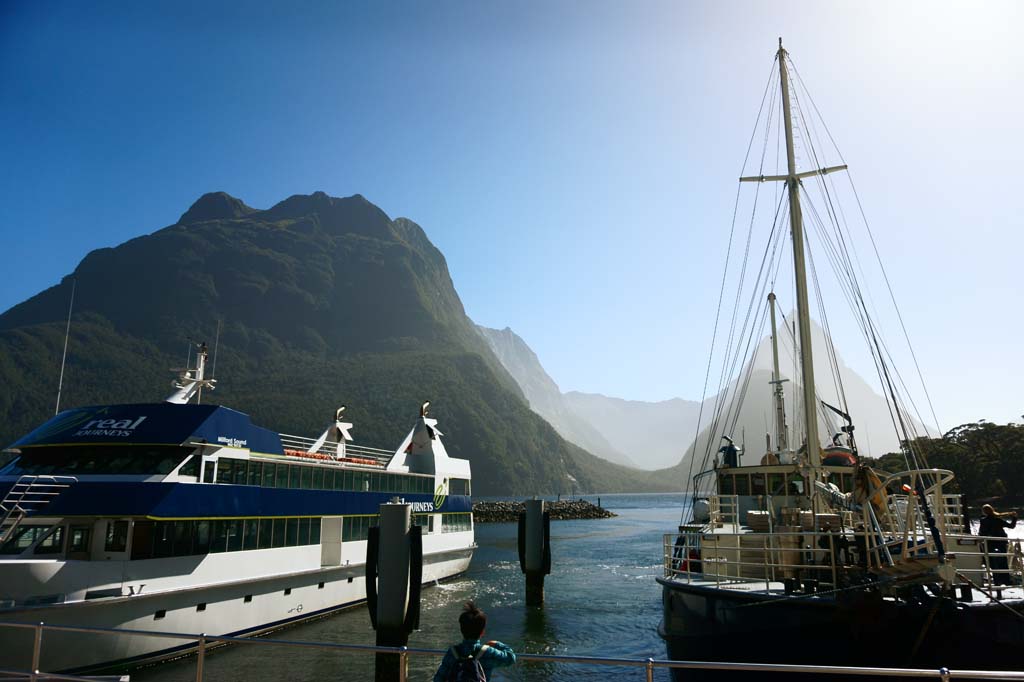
(467, 668)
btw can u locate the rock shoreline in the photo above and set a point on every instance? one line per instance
(562, 510)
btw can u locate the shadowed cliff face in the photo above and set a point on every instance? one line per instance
(319, 301)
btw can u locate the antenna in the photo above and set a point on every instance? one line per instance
(67, 333)
(216, 345)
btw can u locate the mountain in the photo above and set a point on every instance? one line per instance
(314, 302)
(546, 399)
(655, 434)
(751, 417)
(659, 435)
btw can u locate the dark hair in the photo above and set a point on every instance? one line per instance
(472, 621)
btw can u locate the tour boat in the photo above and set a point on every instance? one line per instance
(808, 555)
(186, 517)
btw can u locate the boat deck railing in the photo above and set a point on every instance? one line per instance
(645, 667)
(301, 444)
(833, 559)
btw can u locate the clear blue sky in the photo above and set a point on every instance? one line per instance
(575, 161)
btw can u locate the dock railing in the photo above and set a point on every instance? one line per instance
(644, 666)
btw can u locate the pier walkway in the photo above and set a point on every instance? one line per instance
(643, 669)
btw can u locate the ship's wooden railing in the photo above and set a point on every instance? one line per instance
(724, 509)
(426, 660)
(831, 558)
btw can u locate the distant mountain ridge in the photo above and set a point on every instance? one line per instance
(546, 399)
(320, 301)
(661, 435)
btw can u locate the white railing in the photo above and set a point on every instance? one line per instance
(823, 556)
(647, 666)
(330, 448)
(28, 495)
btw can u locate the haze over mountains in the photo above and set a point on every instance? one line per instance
(320, 301)
(659, 435)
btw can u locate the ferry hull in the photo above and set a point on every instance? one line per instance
(237, 609)
(852, 629)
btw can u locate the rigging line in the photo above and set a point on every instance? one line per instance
(755, 331)
(723, 376)
(837, 380)
(878, 257)
(714, 337)
(842, 245)
(64, 355)
(743, 269)
(736, 355)
(860, 309)
(721, 293)
(767, 88)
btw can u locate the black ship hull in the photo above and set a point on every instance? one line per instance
(852, 628)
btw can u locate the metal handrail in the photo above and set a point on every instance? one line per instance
(330, 447)
(648, 664)
(768, 558)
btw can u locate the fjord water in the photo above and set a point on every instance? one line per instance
(601, 599)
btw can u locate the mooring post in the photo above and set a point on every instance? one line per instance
(394, 571)
(535, 549)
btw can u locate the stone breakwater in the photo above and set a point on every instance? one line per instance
(508, 512)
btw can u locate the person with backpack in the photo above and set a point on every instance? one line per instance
(470, 660)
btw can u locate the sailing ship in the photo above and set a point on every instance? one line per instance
(186, 517)
(812, 557)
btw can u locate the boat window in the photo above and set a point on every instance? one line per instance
(458, 486)
(454, 523)
(52, 543)
(251, 534)
(282, 475)
(757, 484)
(191, 467)
(182, 538)
(117, 536)
(278, 533)
(318, 478)
(22, 539)
(98, 460)
(142, 539)
(291, 534)
(727, 484)
(269, 474)
(255, 473)
(233, 529)
(314, 531)
(80, 539)
(306, 477)
(266, 533)
(218, 537)
(163, 539)
(357, 527)
(742, 484)
(201, 542)
(225, 470)
(303, 531)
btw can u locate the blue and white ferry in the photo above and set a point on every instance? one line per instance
(186, 517)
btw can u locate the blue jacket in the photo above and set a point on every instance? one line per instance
(494, 656)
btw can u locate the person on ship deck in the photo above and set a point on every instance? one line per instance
(993, 525)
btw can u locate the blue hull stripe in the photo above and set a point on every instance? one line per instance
(214, 500)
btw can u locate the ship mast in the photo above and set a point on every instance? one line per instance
(781, 435)
(792, 180)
